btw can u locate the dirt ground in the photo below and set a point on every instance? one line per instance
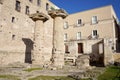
(18, 69)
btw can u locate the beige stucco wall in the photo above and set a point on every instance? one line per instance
(104, 26)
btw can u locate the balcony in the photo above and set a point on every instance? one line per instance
(82, 38)
(93, 37)
(78, 25)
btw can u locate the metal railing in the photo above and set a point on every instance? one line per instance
(90, 37)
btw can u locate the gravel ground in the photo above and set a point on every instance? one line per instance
(24, 75)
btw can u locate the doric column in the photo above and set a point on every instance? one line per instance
(58, 36)
(38, 47)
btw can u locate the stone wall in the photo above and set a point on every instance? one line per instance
(116, 57)
(17, 36)
(58, 60)
(11, 57)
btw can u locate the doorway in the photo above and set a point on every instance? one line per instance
(80, 48)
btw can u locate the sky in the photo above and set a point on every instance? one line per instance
(73, 6)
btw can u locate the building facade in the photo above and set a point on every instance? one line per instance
(94, 32)
(38, 32)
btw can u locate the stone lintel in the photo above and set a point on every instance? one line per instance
(58, 12)
(39, 16)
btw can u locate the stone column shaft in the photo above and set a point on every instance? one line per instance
(58, 37)
(38, 35)
(38, 43)
(38, 47)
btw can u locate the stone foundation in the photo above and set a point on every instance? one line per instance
(58, 60)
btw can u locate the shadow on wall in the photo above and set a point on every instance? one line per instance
(97, 58)
(95, 48)
(118, 46)
(29, 46)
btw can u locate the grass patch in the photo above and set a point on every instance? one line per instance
(51, 78)
(87, 79)
(32, 69)
(55, 78)
(67, 63)
(9, 77)
(111, 73)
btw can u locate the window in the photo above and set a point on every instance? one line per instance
(78, 35)
(38, 2)
(94, 34)
(79, 22)
(65, 25)
(13, 19)
(94, 19)
(31, 0)
(65, 37)
(47, 6)
(18, 6)
(13, 37)
(27, 10)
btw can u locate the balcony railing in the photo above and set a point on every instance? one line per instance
(78, 25)
(90, 37)
(93, 37)
(90, 23)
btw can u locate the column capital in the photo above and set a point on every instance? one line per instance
(58, 12)
(39, 16)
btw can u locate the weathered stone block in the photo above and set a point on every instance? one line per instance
(83, 61)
